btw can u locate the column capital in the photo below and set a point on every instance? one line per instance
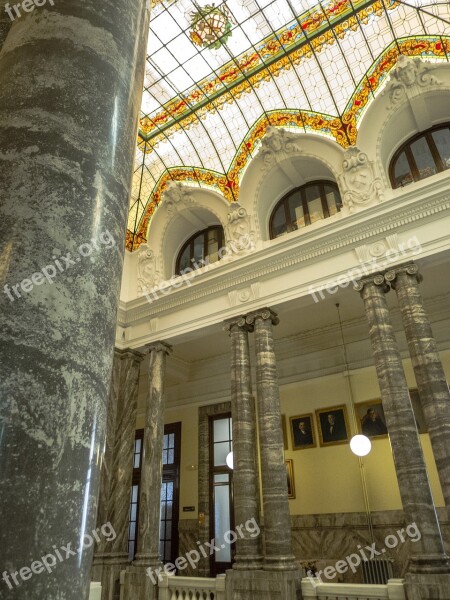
(238, 321)
(159, 346)
(410, 269)
(263, 313)
(377, 280)
(128, 353)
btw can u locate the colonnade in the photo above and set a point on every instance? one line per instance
(272, 571)
(428, 573)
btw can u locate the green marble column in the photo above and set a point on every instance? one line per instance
(245, 474)
(428, 370)
(71, 80)
(278, 553)
(429, 563)
(138, 585)
(111, 556)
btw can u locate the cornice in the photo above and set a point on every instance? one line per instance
(287, 253)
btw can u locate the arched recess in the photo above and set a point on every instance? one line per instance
(402, 111)
(271, 175)
(178, 219)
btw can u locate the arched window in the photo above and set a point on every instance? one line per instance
(303, 206)
(422, 156)
(202, 248)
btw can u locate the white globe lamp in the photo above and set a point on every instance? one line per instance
(360, 445)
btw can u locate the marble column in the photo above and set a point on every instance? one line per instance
(111, 554)
(428, 556)
(139, 584)
(277, 521)
(5, 22)
(430, 377)
(71, 74)
(245, 473)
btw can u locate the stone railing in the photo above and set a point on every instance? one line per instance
(191, 588)
(312, 588)
(95, 592)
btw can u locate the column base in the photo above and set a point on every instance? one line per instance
(248, 563)
(430, 565)
(147, 560)
(106, 568)
(261, 585)
(420, 586)
(135, 584)
(280, 563)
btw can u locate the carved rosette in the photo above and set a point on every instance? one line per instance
(358, 182)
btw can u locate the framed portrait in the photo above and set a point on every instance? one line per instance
(289, 463)
(371, 419)
(302, 432)
(418, 411)
(333, 425)
(285, 435)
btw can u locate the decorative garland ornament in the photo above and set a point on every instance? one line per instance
(211, 26)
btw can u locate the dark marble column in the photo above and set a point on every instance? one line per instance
(245, 474)
(111, 555)
(138, 583)
(427, 554)
(277, 520)
(428, 370)
(71, 74)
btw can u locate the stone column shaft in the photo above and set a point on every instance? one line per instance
(277, 520)
(151, 471)
(431, 381)
(427, 554)
(71, 77)
(111, 554)
(245, 474)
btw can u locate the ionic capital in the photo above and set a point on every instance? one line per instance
(237, 322)
(264, 314)
(159, 347)
(377, 280)
(410, 269)
(128, 353)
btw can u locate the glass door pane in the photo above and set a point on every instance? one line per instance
(423, 157)
(314, 200)
(402, 171)
(442, 140)
(213, 245)
(222, 522)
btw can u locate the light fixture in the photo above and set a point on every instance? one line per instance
(360, 445)
(230, 460)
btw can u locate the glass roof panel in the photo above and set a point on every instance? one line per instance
(216, 70)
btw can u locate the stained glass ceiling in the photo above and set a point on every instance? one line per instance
(217, 75)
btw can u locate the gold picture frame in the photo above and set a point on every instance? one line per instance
(285, 435)
(370, 419)
(289, 463)
(333, 426)
(303, 435)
